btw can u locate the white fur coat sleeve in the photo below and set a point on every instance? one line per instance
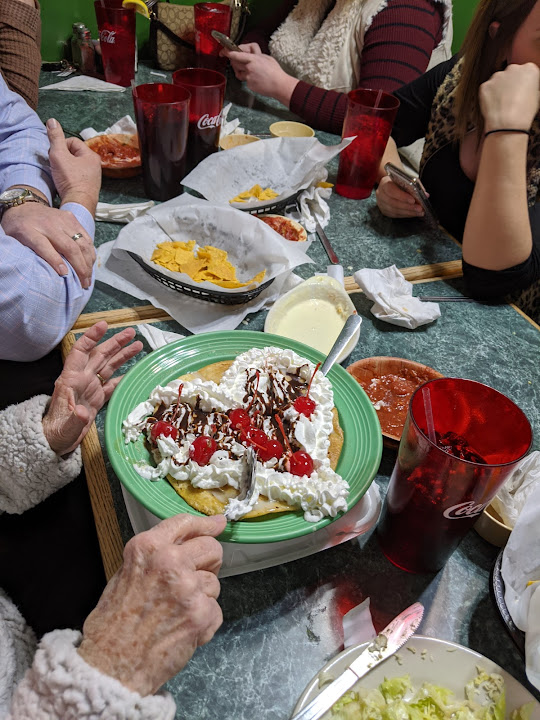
(60, 685)
(29, 470)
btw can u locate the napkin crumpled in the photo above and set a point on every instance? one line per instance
(157, 338)
(393, 298)
(521, 565)
(84, 82)
(115, 212)
(523, 480)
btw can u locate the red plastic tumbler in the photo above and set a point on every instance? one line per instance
(207, 90)
(210, 16)
(162, 116)
(460, 442)
(370, 116)
(116, 27)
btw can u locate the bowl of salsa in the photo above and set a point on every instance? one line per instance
(389, 382)
(119, 153)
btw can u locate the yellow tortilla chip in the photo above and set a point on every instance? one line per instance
(255, 192)
(208, 263)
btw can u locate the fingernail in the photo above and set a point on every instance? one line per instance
(62, 269)
(52, 124)
(86, 283)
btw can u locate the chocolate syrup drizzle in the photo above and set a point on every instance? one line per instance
(281, 392)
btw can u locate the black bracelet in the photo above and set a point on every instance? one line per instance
(511, 130)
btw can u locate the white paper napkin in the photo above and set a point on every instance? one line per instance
(231, 127)
(108, 212)
(511, 498)
(358, 625)
(84, 82)
(157, 338)
(250, 244)
(393, 298)
(521, 564)
(312, 203)
(126, 125)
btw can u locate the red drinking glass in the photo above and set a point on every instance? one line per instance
(447, 471)
(162, 116)
(208, 17)
(370, 116)
(207, 90)
(116, 27)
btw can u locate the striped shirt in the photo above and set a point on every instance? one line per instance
(397, 49)
(37, 306)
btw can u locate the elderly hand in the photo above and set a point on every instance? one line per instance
(49, 233)
(78, 392)
(395, 202)
(160, 606)
(261, 72)
(76, 169)
(510, 98)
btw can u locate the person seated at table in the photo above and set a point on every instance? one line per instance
(41, 294)
(158, 608)
(481, 162)
(322, 49)
(20, 40)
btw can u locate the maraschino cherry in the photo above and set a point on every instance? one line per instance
(304, 404)
(240, 419)
(202, 449)
(162, 428)
(300, 463)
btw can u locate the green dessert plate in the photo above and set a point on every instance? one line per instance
(358, 462)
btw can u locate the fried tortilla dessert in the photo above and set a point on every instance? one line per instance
(198, 428)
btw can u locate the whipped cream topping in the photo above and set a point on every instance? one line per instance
(265, 380)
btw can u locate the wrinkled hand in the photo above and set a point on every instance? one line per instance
(76, 169)
(48, 232)
(78, 393)
(510, 98)
(395, 202)
(261, 72)
(160, 606)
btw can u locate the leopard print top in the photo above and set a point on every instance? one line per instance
(441, 131)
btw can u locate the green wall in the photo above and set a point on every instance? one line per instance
(58, 16)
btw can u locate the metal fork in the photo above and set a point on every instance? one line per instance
(247, 482)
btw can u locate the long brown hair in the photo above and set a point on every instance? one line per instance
(483, 55)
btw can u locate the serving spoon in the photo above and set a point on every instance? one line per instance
(249, 476)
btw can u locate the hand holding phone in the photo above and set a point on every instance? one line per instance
(414, 187)
(225, 41)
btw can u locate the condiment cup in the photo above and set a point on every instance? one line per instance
(491, 527)
(231, 141)
(288, 128)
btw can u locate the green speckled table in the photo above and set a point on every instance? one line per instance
(283, 623)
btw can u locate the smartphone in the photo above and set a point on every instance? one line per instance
(414, 187)
(225, 41)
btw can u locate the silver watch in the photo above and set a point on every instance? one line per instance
(18, 196)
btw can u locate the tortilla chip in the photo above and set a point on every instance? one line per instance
(213, 502)
(255, 192)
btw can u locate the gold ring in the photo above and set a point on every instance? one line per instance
(101, 379)
(77, 236)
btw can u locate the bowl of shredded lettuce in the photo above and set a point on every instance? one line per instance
(428, 679)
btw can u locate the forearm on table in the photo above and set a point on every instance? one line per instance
(321, 109)
(497, 232)
(390, 155)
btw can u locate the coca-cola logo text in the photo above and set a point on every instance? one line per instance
(108, 36)
(206, 122)
(463, 510)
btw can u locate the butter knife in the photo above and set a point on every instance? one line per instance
(326, 245)
(387, 642)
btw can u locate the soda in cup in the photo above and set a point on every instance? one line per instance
(460, 442)
(116, 28)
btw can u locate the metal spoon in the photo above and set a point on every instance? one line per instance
(350, 327)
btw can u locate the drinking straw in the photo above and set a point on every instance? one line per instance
(378, 100)
(429, 414)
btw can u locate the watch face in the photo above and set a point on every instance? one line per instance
(12, 194)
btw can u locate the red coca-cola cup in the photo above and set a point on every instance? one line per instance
(116, 27)
(162, 117)
(210, 16)
(207, 90)
(460, 442)
(370, 116)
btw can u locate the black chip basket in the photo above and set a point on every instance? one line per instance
(288, 203)
(215, 296)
